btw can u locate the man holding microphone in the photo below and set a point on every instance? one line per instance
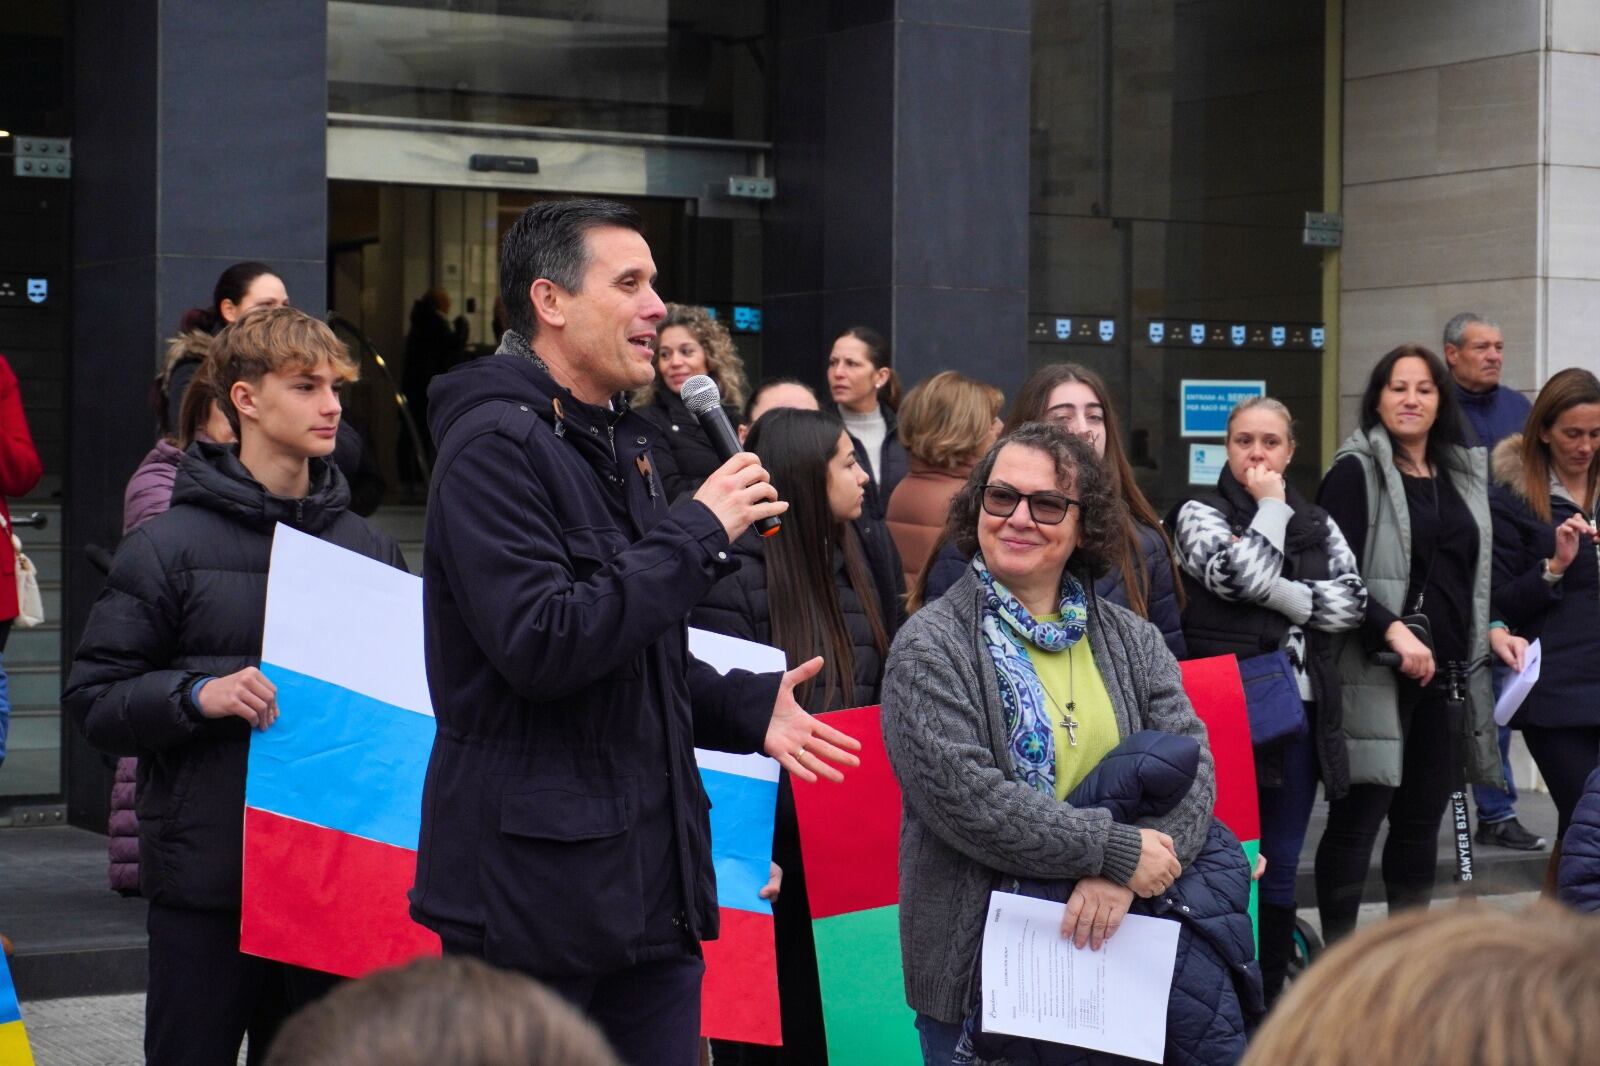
(564, 828)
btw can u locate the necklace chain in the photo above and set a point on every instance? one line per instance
(1068, 722)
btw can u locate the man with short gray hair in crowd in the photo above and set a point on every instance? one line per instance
(1474, 348)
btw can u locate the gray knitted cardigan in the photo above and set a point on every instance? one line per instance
(967, 816)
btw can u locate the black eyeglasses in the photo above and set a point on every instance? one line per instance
(1046, 508)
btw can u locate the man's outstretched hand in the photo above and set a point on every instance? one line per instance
(805, 746)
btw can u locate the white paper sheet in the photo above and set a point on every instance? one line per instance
(1518, 685)
(1037, 984)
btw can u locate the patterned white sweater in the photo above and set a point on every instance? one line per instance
(1249, 569)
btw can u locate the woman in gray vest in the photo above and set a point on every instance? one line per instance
(1268, 574)
(1413, 504)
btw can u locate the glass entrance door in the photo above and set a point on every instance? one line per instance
(415, 269)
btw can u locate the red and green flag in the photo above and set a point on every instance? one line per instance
(850, 842)
(1217, 693)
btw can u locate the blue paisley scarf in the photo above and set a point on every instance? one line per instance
(1008, 629)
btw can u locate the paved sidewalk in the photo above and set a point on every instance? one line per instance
(107, 1030)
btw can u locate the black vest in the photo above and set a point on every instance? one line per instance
(1214, 626)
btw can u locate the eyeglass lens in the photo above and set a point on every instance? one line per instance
(1046, 508)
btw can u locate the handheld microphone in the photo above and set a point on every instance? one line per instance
(702, 397)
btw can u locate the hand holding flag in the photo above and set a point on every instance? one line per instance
(802, 744)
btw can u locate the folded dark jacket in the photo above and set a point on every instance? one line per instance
(1216, 982)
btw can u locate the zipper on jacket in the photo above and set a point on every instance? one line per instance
(300, 511)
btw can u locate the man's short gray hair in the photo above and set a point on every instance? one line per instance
(1455, 329)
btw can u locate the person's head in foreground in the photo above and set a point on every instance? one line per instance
(456, 1010)
(1466, 985)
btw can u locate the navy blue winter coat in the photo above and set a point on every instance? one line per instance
(1578, 878)
(1216, 983)
(563, 820)
(1163, 611)
(1564, 617)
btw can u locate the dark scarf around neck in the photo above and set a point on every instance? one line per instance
(1308, 528)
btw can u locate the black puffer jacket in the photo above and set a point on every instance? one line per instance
(682, 451)
(185, 600)
(738, 607)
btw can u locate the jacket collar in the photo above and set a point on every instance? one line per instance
(211, 476)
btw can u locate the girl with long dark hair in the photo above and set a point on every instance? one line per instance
(1413, 505)
(810, 591)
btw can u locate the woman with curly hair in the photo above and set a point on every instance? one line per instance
(689, 341)
(1000, 697)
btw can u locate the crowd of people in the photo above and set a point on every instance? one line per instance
(964, 569)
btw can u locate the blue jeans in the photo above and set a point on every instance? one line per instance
(939, 1040)
(1285, 813)
(1495, 805)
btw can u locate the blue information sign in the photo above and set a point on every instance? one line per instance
(1205, 404)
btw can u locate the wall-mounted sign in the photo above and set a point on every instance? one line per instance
(1206, 462)
(740, 318)
(20, 290)
(1072, 329)
(1238, 336)
(1205, 405)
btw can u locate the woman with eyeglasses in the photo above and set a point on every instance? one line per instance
(1001, 696)
(1269, 578)
(1140, 573)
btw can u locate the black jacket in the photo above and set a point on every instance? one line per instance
(1564, 617)
(185, 599)
(896, 463)
(563, 820)
(683, 453)
(738, 606)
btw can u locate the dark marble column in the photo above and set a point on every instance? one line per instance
(901, 135)
(199, 141)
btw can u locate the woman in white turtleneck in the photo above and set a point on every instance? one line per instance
(865, 391)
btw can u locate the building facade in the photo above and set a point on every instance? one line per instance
(1192, 198)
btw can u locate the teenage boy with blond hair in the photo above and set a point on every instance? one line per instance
(168, 671)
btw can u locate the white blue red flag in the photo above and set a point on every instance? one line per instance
(333, 796)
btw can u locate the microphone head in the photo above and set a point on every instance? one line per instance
(700, 394)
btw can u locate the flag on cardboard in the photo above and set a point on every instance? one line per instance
(1214, 688)
(850, 843)
(333, 795)
(850, 839)
(739, 998)
(14, 1049)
